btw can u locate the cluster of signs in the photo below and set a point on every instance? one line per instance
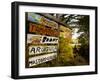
(42, 39)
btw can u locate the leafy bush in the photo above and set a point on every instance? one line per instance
(65, 50)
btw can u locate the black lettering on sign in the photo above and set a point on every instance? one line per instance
(42, 49)
(41, 59)
(47, 39)
(40, 39)
(32, 50)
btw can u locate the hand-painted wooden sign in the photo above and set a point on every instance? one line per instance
(41, 59)
(41, 39)
(36, 50)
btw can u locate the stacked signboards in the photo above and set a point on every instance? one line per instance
(42, 36)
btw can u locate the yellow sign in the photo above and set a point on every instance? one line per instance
(49, 23)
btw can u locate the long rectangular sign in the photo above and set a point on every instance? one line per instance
(34, 50)
(41, 39)
(41, 59)
(42, 30)
(49, 23)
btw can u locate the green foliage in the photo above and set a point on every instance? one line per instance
(84, 24)
(65, 49)
(84, 38)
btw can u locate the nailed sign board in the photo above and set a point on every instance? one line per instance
(49, 23)
(34, 50)
(41, 59)
(42, 30)
(41, 39)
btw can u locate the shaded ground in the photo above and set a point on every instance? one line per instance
(79, 60)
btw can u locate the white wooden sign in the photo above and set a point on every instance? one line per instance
(41, 39)
(41, 59)
(34, 50)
